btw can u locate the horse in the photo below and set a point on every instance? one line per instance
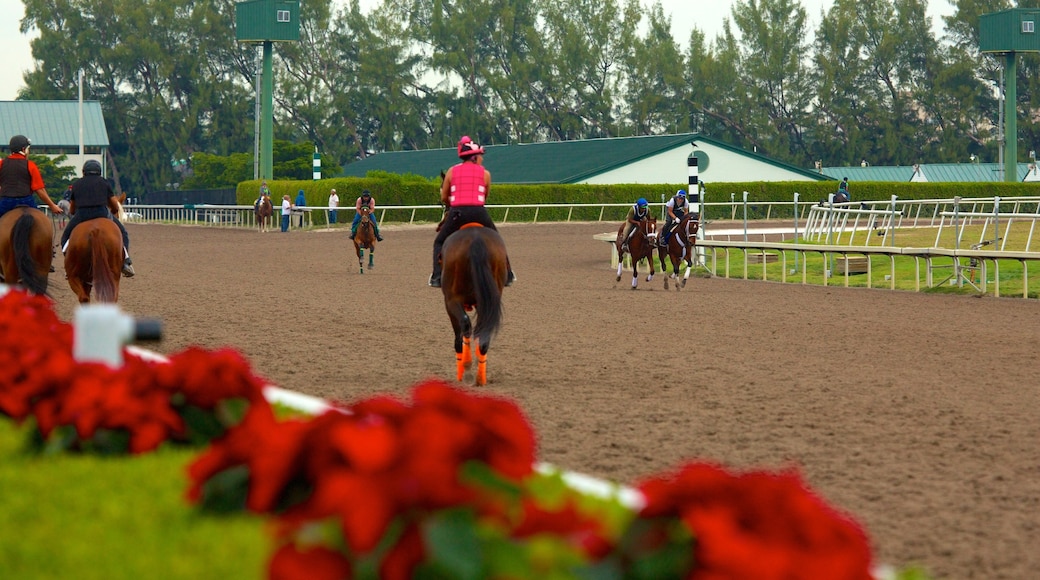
(680, 248)
(473, 275)
(26, 248)
(640, 246)
(264, 211)
(365, 237)
(63, 218)
(94, 260)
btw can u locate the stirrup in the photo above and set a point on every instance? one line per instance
(128, 268)
(511, 279)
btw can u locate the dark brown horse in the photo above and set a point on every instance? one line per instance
(681, 246)
(474, 273)
(94, 260)
(640, 246)
(264, 212)
(26, 248)
(365, 237)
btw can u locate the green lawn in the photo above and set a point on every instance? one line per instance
(84, 517)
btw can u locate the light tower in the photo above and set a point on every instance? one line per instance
(1006, 33)
(266, 22)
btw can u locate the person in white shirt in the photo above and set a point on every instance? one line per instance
(333, 204)
(286, 211)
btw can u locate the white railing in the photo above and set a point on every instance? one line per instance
(979, 261)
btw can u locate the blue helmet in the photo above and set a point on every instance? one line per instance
(680, 193)
(641, 202)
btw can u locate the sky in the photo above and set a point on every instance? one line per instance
(707, 15)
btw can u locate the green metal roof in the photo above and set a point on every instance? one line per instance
(932, 172)
(53, 123)
(551, 162)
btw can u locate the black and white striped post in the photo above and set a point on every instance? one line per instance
(693, 192)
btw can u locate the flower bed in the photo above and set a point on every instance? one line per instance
(442, 485)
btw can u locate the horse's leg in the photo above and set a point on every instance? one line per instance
(620, 259)
(360, 257)
(462, 325)
(371, 255)
(482, 364)
(635, 271)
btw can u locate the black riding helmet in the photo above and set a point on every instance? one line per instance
(91, 167)
(19, 143)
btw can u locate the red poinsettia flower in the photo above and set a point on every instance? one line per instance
(311, 563)
(758, 525)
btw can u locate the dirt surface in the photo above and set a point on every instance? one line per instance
(919, 414)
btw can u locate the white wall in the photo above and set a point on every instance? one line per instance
(724, 166)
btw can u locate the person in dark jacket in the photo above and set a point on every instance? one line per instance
(20, 179)
(91, 197)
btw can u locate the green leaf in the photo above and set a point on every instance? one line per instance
(454, 548)
(226, 491)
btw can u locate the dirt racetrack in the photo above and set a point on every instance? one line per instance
(919, 414)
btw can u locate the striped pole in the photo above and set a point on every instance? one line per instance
(693, 191)
(317, 165)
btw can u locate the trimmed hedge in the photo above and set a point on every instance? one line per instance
(391, 190)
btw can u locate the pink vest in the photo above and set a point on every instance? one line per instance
(467, 185)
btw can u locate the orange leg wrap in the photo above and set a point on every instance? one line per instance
(460, 367)
(467, 351)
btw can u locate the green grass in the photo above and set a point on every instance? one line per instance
(85, 517)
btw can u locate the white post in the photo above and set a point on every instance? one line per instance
(317, 165)
(100, 332)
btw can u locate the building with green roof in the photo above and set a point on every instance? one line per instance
(53, 127)
(657, 159)
(649, 159)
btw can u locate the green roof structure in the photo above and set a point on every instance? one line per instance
(642, 159)
(53, 126)
(932, 172)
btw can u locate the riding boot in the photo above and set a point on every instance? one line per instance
(128, 265)
(379, 236)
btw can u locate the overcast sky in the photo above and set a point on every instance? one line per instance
(706, 15)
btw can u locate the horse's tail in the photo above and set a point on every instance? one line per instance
(104, 279)
(21, 242)
(489, 295)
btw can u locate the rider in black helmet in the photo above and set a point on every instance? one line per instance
(20, 179)
(92, 197)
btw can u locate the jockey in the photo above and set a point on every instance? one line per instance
(364, 201)
(675, 209)
(92, 197)
(20, 179)
(464, 191)
(265, 193)
(639, 213)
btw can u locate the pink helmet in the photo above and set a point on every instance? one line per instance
(467, 148)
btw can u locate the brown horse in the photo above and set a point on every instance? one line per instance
(264, 212)
(26, 248)
(94, 260)
(474, 273)
(365, 237)
(681, 245)
(640, 246)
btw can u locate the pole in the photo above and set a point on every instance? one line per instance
(316, 165)
(892, 223)
(1011, 119)
(795, 231)
(745, 216)
(267, 115)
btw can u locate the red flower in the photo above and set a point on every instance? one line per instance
(313, 563)
(267, 447)
(758, 525)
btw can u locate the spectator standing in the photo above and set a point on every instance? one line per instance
(286, 212)
(333, 204)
